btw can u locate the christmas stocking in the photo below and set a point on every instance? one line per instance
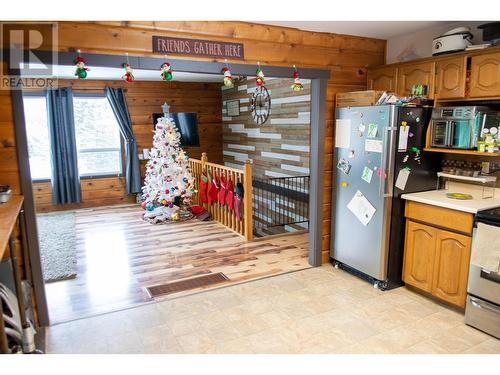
(230, 193)
(237, 207)
(222, 191)
(214, 189)
(238, 196)
(203, 188)
(209, 189)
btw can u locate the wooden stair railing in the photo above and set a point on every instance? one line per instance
(223, 214)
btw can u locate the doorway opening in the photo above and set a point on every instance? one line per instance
(108, 239)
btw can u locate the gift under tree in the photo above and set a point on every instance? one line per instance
(169, 183)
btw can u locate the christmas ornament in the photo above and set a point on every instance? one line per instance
(81, 70)
(228, 78)
(128, 76)
(129, 73)
(143, 205)
(297, 84)
(166, 71)
(175, 216)
(150, 206)
(259, 76)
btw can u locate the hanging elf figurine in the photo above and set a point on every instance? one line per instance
(228, 78)
(166, 71)
(129, 73)
(297, 84)
(259, 76)
(81, 70)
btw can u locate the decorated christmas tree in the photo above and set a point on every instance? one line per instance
(169, 183)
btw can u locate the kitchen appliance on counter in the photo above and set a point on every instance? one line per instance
(458, 127)
(379, 157)
(452, 41)
(482, 309)
(491, 32)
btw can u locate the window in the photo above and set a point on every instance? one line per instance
(97, 137)
(97, 133)
(35, 112)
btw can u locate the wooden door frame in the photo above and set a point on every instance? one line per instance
(318, 77)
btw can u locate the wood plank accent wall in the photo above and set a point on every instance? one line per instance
(145, 98)
(347, 57)
(279, 147)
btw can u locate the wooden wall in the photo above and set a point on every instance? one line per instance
(280, 146)
(145, 98)
(347, 58)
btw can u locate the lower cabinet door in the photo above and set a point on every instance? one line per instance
(451, 267)
(419, 255)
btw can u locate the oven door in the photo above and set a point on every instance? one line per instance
(440, 133)
(461, 134)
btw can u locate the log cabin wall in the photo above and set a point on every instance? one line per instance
(347, 57)
(280, 146)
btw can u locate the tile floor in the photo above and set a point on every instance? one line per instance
(318, 310)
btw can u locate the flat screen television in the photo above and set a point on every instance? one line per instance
(187, 124)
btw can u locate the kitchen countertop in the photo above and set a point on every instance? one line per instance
(8, 217)
(439, 198)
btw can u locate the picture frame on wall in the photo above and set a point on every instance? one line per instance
(233, 108)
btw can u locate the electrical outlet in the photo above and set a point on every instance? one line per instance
(485, 167)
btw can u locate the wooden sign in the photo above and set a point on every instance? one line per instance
(197, 47)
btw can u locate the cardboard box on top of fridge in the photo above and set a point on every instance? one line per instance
(357, 98)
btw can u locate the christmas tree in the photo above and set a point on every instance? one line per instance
(169, 182)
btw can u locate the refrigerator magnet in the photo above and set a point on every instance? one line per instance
(344, 184)
(405, 159)
(344, 166)
(361, 130)
(372, 130)
(367, 174)
(350, 155)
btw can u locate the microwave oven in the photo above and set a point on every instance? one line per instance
(457, 127)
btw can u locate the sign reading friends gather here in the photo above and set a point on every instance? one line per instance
(198, 47)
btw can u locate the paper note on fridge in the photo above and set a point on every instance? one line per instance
(361, 208)
(404, 131)
(402, 178)
(373, 145)
(342, 133)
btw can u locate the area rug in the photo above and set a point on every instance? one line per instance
(56, 233)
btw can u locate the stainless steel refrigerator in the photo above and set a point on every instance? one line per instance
(378, 156)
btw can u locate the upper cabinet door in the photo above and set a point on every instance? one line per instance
(451, 267)
(485, 75)
(382, 79)
(450, 78)
(415, 74)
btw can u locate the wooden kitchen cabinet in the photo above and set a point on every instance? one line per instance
(415, 74)
(419, 255)
(436, 258)
(451, 267)
(485, 75)
(383, 78)
(450, 78)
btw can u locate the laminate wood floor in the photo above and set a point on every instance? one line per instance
(119, 255)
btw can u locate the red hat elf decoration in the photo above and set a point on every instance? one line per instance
(228, 78)
(259, 76)
(129, 72)
(81, 70)
(166, 71)
(297, 83)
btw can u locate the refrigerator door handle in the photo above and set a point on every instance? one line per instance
(385, 189)
(381, 184)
